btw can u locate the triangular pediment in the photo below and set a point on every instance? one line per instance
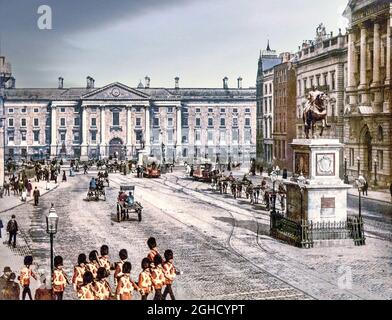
(116, 91)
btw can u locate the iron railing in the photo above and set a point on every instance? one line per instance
(304, 233)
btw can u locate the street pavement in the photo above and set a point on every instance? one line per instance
(221, 245)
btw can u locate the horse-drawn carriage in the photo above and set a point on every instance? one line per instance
(151, 167)
(203, 172)
(96, 190)
(126, 204)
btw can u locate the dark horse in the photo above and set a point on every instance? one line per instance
(315, 111)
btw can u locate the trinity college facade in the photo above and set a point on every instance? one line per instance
(177, 124)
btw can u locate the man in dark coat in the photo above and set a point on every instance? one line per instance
(390, 189)
(12, 229)
(36, 195)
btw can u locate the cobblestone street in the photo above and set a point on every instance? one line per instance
(222, 245)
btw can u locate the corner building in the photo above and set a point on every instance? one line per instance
(367, 120)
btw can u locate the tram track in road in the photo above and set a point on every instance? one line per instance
(295, 264)
(229, 248)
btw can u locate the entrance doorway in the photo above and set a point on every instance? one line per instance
(116, 149)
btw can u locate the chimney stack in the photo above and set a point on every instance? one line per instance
(225, 85)
(61, 83)
(177, 83)
(147, 79)
(239, 80)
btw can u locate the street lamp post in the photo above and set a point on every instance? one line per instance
(359, 165)
(360, 183)
(51, 228)
(375, 171)
(345, 171)
(274, 177)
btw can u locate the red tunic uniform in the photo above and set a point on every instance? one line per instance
(145, 283)
(24, 276)
(77, 278)
(125, 287)
(158, 277)
(169, 271)
(59, 281)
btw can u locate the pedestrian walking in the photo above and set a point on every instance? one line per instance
(101, 287)
(59, 279)
(23, 196)
(44, 291)
(123, 254)
(152, 245)
(170, 273)
(12, 229)
(144, 283)
(11, 289)
(85, 167)
(125, 285)
(29, 188)
(365, 188)
(24, 277)
(6, 187)
(36, 195)
(86, 291)
(1, 227)
(64, 176)
(79, 270)
(157, 277)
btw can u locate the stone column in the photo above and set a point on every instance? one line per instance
(388, 67)
(129, 129)
(83, 153)
(363, 84)
(179, 132)
(147, 135)
(376, 55)
(103, 132)
(53, 128)
(352, 66)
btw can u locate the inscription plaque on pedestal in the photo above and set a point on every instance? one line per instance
(327, 206)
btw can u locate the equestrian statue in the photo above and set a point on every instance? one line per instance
(315, 111)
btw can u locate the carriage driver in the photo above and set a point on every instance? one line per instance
(93, 184)
(130, 199)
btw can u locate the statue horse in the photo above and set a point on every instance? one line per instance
(315, 111)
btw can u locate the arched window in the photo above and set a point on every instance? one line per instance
(380, 134)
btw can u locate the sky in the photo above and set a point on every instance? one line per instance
(200, 41)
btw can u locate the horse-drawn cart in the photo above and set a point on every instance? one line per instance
(126, 204)
(97, 192)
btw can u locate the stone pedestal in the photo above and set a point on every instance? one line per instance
(324, 198)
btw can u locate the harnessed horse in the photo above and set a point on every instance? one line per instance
(315, 111)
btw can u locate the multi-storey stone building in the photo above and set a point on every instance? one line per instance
(265, 104)
(368, 121)
(94, 122)
(284, 130)
(322, 63)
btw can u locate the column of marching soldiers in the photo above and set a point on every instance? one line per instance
(90, 279)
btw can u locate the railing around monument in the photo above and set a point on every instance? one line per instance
(303, 234)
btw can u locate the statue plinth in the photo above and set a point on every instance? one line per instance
(324, 197)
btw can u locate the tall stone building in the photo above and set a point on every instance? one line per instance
(368, 121)
(322, 63)
(284, 130)
(179, 124)
(265, 91)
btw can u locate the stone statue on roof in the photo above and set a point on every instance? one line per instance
(320, 31)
